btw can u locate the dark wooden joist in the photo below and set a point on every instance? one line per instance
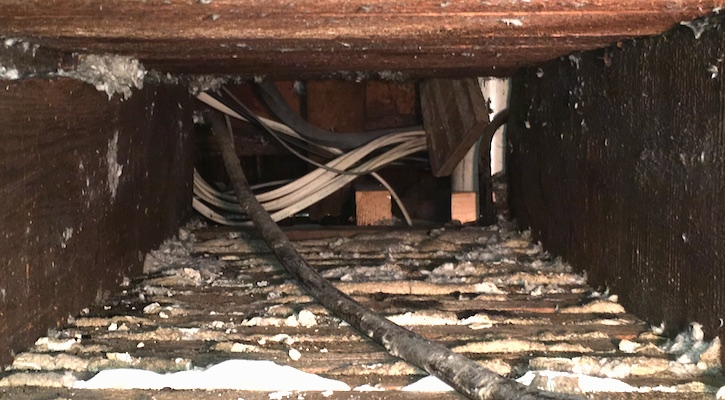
(309, 37)
(617, 164)
(88, 186)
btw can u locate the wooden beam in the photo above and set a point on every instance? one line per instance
(90, 184)
(391, 105)
(638, 205)
(308, 37)
(454, 115)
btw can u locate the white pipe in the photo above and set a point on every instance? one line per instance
(496, 93)
(465, 176)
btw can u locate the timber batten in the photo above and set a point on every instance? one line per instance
(311, 38)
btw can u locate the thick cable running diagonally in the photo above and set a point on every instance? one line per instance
(463, 374)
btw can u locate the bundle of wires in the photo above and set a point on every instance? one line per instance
(294, 196)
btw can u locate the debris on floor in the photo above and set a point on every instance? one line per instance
(216, 311)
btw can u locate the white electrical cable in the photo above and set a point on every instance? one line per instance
(207, 212)
(281, 128)
(307, 195)
(312, 190)
(273, 125)
(344, 162)
(315, 179)
(299, 194)
(340, 181)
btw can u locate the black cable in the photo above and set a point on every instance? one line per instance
(251, 117)
(350, 140)
(298, 142)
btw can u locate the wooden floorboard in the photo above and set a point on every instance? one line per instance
(528, 312)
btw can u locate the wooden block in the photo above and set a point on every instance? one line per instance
(372, 206)
(464, 206)
(454, 114)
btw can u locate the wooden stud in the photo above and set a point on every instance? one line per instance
(372, 206)
(70, 230)
(464, 207)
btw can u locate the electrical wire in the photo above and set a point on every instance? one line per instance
(253, 118)
(321, 182)
(303, 192)
(276, 102)
(308, 188)
(286, 133)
